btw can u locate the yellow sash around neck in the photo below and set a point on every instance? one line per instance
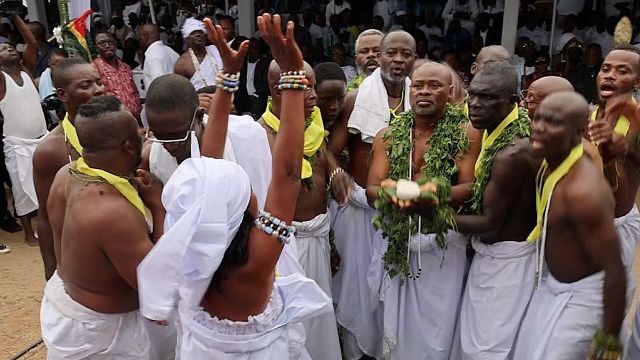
(121, 184)
(544, 190)
(489, 139)
(314, 136)
(71, 134)
(622, 125)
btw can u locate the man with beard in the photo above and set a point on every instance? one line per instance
(24, 125)
(367, 51)
(76, 82)
(99, 223)
(614, 128)
(382, 96)
(580, 285)
(116, 76)
(501, 215)
(429, 142)
(200, 63)
(311, 218)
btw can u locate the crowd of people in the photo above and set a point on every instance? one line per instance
(367, 193)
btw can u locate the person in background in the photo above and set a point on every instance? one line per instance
(200, 63)
(335, 7)
(45, 86)
(116, 76)
(159, 59)
(463, 10)
(318, 29)
(335, 35)
(255, 75)
(39, 32)
(583, 77)
(541, 65)
(338, 56)
(433, 33)
(119, 29)
(367, 52)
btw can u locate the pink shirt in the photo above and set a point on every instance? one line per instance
(118, 81)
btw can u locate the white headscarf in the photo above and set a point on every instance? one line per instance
(205, 201)
(190, 25)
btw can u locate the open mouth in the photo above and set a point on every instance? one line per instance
(536, 144)
(607, 89)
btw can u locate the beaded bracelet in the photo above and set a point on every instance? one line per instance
(295, 80)
(605, 346)
(227, 81)
(275, 227)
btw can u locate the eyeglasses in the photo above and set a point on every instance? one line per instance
(102, 43)
(151, 136)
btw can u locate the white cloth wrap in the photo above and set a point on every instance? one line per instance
(190, 25)
(354, 241)
(314, 255)
(632, 350)
(561, 319)
(18, 156)
(264, 336)
(420, 316)
(499, 287)
(628, 229)
(207, 69)
(72, 331)
(371, 109)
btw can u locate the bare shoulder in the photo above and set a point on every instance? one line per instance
(516, 154)
(109, 211)
(380, 136)
(585, 192)
(50, 154)
(183, 64)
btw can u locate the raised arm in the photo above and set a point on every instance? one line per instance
(215, 133)
(287, 150)
(30, 55)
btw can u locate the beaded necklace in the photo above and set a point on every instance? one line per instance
(196, 64)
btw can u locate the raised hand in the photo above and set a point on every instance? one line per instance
(231, 60)
(285, 51)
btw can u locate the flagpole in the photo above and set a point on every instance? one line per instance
(152, 10)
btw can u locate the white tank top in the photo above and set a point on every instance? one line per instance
(23, 117)
(206, 71)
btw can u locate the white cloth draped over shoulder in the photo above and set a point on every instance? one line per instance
(371, 109)
(354, 241)
(499, 287)
(72, 331)
(314, 255)
(205, 202)
(420, 315)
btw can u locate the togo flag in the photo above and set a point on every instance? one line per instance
(77, 39)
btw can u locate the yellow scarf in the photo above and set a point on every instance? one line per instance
(488, 139)
(544, 190)
(71, 135)
(622, 125)
(121, 184)
(314, 136)
(465, 109)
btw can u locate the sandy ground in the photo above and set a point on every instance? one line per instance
(21, 286)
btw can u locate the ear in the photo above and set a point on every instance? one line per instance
(474, 68)
(130, 147)
(450, 91)
(62, 95)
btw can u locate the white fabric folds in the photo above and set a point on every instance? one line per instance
(18, 157)
(371, 110)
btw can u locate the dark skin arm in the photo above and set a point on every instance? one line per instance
(342, 183)
(30, 55)
(44, 171)
(150, 190)
(592, 214)
(215, 132)
(379, 168)
(500, 194)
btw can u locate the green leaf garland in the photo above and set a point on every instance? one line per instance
(520, 128)
(447, 143)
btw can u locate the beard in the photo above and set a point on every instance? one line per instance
(394, 79)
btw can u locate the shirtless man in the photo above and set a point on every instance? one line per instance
(238, 280)
(76, 82)
(416, 323)
(581, 278)
(24, 125)
(90, 306)
(545, 86)
(200, 63)
(367, 110)
(331, 89)
(619, 76)
(367, 51)
(502, 214)
(311, 218)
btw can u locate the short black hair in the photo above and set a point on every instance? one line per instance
(328, 71)
(171, 92)
(505, 71)
(633, 49)
(60, 72)
(58, 52)
(227, 18)
(98, 128)
(100, 106)
(106, 32)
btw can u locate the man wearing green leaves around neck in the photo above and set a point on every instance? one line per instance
(428, 144)
(580, 285)
(501, 215)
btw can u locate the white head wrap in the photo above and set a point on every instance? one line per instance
(205, 201)
(190, 25)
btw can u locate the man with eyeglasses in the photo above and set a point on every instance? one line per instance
(116, 76)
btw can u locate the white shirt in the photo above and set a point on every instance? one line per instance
(428, 31)
(251, 69)
(317, 32)
(539, 36)
(568, 7)
(603, 39)
(159, 60)
(498, 8)
(381, 8)
(332, 8)
(134, 8)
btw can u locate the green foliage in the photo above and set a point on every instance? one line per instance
(520, 128)
(448, 142)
